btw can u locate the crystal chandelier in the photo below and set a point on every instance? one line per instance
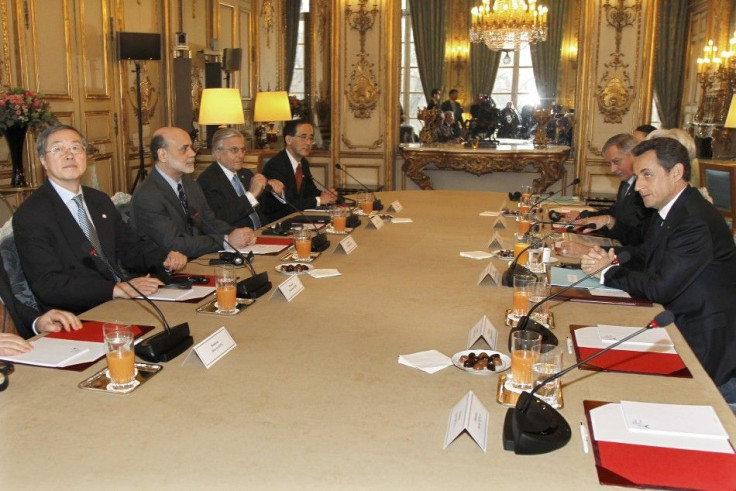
(509, 24)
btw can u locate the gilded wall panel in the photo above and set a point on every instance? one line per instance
(51, 49)
(95, 39)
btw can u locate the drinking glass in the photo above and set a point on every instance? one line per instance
(549, 362)
(303, 244)
(521, 294)
(525, 347)
(120, 357)
(521, 242)
(339, 219)
(226, 282)
(538, 291)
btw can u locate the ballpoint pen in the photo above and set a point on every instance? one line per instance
(584, 436)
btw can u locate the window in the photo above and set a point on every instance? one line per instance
(412, 93)
(296, 88)
(515, 80)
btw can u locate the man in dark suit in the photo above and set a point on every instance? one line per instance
(451, 104)
(687, 263)
(69, 237)
(626, 220)
(290, 166)
(232, 191)
(169, 206)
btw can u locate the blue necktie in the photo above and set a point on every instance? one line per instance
(238, 187)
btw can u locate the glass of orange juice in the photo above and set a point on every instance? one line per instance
(524, 223)
(303, 244)
(338, 219)
(525, 346)
(226, 284)
(522, 292)
(120, 358)
(366, 202)
(521, 242)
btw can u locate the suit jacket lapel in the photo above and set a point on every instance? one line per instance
(103, 225)
(169, 195)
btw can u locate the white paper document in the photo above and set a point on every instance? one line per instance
(427, 361)
(324, 273)
(178, 295)
(402, 220)
(673, 419)
(260, 249)
(490, 213)
(470, 415)
(609, 425)
(54, 352)
(476, 254)
(599, 337)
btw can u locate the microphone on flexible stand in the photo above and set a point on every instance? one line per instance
(255, 286)
(574, 182)
(377, 205)
(526, 323)
(351, 220)
(161, 347)
(338, 197)
(534, 427)
(319, 241)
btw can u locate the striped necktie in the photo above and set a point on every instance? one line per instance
(185, 205)
(89, 231)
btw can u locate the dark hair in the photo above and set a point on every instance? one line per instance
(452, 91)
(44, 136)
(291, 125)
(669, 153)
(623, 141)
(435, 91)
(645, 128)
(157, 143)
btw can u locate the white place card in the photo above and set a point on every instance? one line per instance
(395, 206)
(483, 329)
(469, 415)
(499, 224)
(347, 245)
(290, 288)
(214, 347)
(375, 221)
(496, 242)
(402, 220)
(490, 271)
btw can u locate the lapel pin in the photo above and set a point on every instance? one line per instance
(104, 216)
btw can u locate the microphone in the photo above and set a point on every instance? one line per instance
(338, 197)
(319, 241)
(255, 286)
(377, 205)
(526, 323)
(161, 347)
(574, 182)
(534, 427)
(351, 220)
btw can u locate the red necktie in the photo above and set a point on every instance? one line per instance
(299, 175)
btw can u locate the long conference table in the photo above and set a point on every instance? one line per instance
(312, 397)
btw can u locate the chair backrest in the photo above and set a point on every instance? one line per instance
(122, 203)
(13, 268)
(6, 209)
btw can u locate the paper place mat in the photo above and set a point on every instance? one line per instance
(428, 361)
(324, 273)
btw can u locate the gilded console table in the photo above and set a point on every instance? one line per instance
(548, 162)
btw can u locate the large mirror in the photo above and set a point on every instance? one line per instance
(307, 61)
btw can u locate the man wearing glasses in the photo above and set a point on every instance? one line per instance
(290, 166)
(170, 208)
(232, 191)
(72, 241)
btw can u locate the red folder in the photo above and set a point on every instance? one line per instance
(91, 331)
(615, 360)
(623, 464)
(282, 241)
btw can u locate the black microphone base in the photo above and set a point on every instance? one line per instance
(254, 287)
(352, 221)
(507, 278)
(526, 324)
(320, 243)
(534, 427)
(166, 345)
(377, 205)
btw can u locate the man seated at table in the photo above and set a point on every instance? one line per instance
(687, 263)
(291, 167)
(170, 208)
(232, 191)
(448, 130)
(72, 241)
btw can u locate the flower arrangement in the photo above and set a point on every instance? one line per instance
(20, 107)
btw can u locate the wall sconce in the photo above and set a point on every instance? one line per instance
(270, 107)
(221, 107)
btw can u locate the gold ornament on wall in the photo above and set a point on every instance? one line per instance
(615, 92)
(196, 91)
(267, 14)
(362, 92)
(149, 96)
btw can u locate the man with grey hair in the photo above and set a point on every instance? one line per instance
(72, 241)
(231, 190)
(623, 220)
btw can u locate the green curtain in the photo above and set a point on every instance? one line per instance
(292, 8)
(546, 56)
(427, 21)
(669, 66)
(483, 69)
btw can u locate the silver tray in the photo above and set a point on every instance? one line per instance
(100, 380)
(211, 308)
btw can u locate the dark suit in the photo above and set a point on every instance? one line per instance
(157, 213)
(631, 217)
(456, 108)
(55, 254)
(689, 266)
(279, 167)
(224, 201)
(22, 315)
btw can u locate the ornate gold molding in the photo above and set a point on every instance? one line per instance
(268, 14)
(363, 91)
(372, 146)
(5, 65)
(615, 92)
(149, 96)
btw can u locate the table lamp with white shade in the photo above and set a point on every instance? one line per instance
(270, 107)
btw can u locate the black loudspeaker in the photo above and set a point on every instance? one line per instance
(139, 45)
(182, 93)
(231, 58)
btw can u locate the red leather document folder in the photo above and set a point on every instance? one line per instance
(623, 464)
(92, 331)
(282, 241)
(616, 360)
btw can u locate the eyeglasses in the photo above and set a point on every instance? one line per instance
(59, 150)
(236, 150)
(309, 138)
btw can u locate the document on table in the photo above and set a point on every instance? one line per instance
(602, 336)
(178, 295)
(566, 277)
(261, 249)
(49, 352)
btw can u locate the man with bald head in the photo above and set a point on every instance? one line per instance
(170, 208)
